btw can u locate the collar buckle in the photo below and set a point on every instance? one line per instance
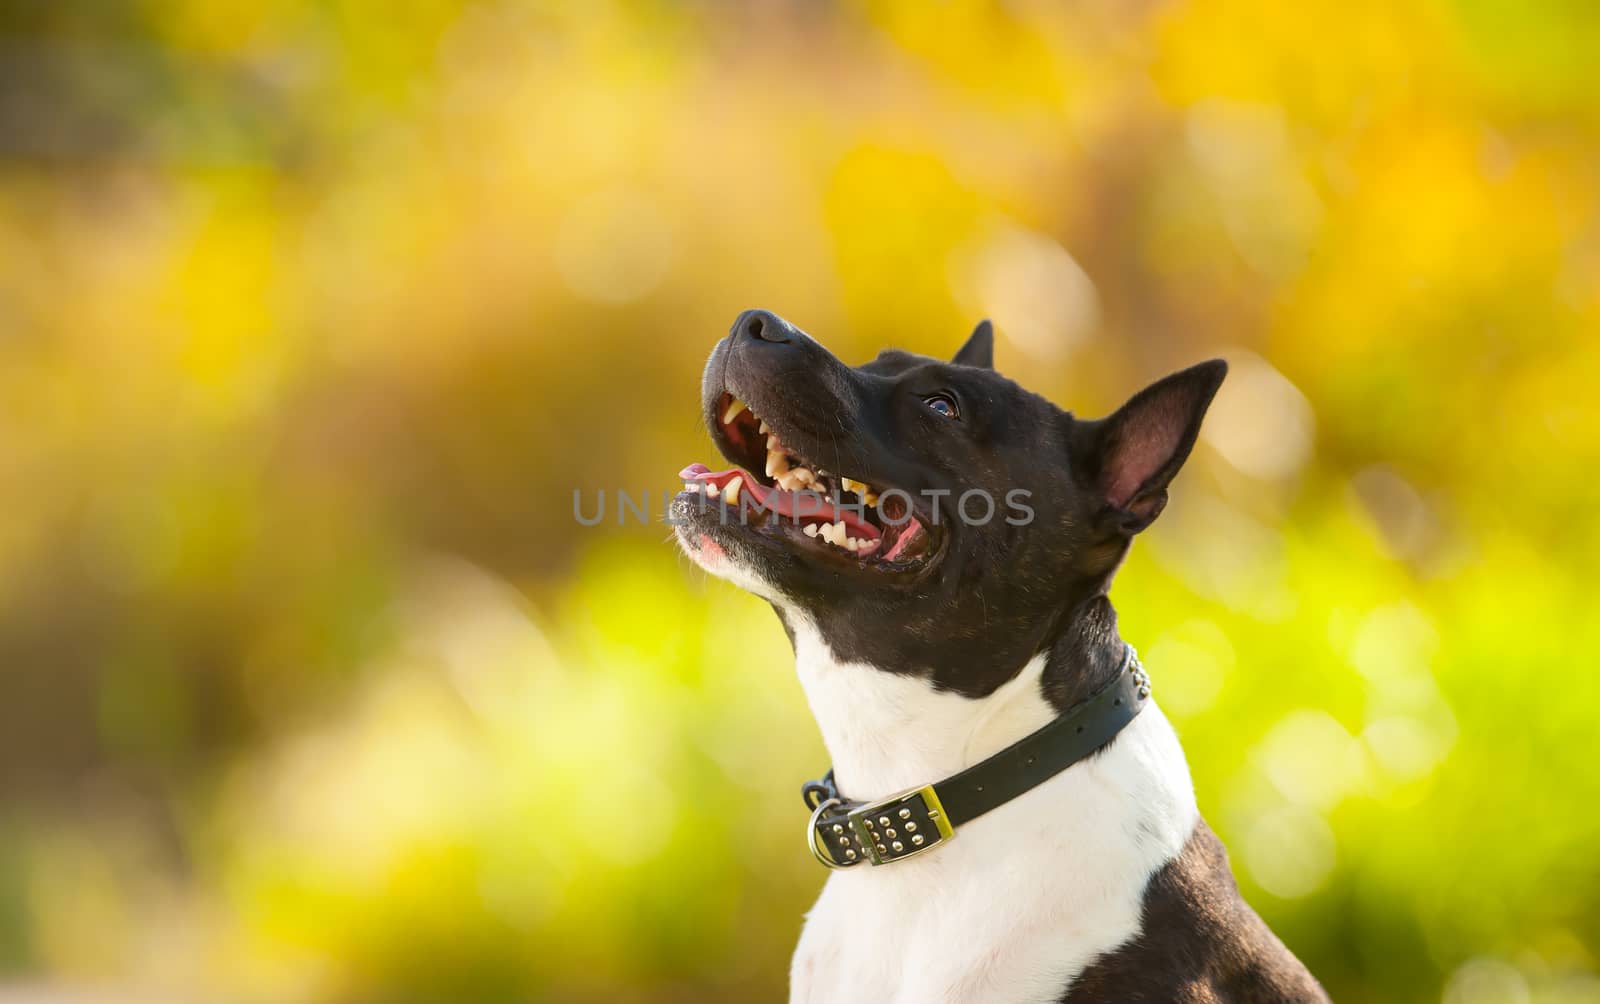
(901, 826)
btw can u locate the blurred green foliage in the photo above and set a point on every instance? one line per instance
(314, 313)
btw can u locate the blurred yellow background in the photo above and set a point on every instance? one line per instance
(314, 314)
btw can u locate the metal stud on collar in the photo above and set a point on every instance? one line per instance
(1140, 677)
(893, 828)
(811, 835)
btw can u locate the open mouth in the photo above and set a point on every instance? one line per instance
(820, 512)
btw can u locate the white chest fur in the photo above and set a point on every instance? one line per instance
(1022, 899)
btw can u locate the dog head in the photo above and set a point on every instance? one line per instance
(924, 516)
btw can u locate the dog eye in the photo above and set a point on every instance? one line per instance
(944, 404)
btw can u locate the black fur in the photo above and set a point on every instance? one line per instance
(997, 594)
(979, 350)
(1201, 944)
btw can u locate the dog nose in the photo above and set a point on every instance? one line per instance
(762, 326)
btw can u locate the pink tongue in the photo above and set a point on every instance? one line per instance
(907, 536)
(785, 503)
(700, 472)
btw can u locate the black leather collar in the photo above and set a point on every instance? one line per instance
(843, 833)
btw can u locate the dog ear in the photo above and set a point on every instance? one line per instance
(979, 350)
(1132, 455)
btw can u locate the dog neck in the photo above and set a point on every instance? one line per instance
(889, 731)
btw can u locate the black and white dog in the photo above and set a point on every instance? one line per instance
(954, 663)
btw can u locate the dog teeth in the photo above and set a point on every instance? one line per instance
(798, 478)
(861, 488)
(730, 492)
(789, 471)
(837, 535)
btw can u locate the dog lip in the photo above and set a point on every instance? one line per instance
(785, 503)
(884, 571)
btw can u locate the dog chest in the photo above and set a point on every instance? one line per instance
(1020, 901)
